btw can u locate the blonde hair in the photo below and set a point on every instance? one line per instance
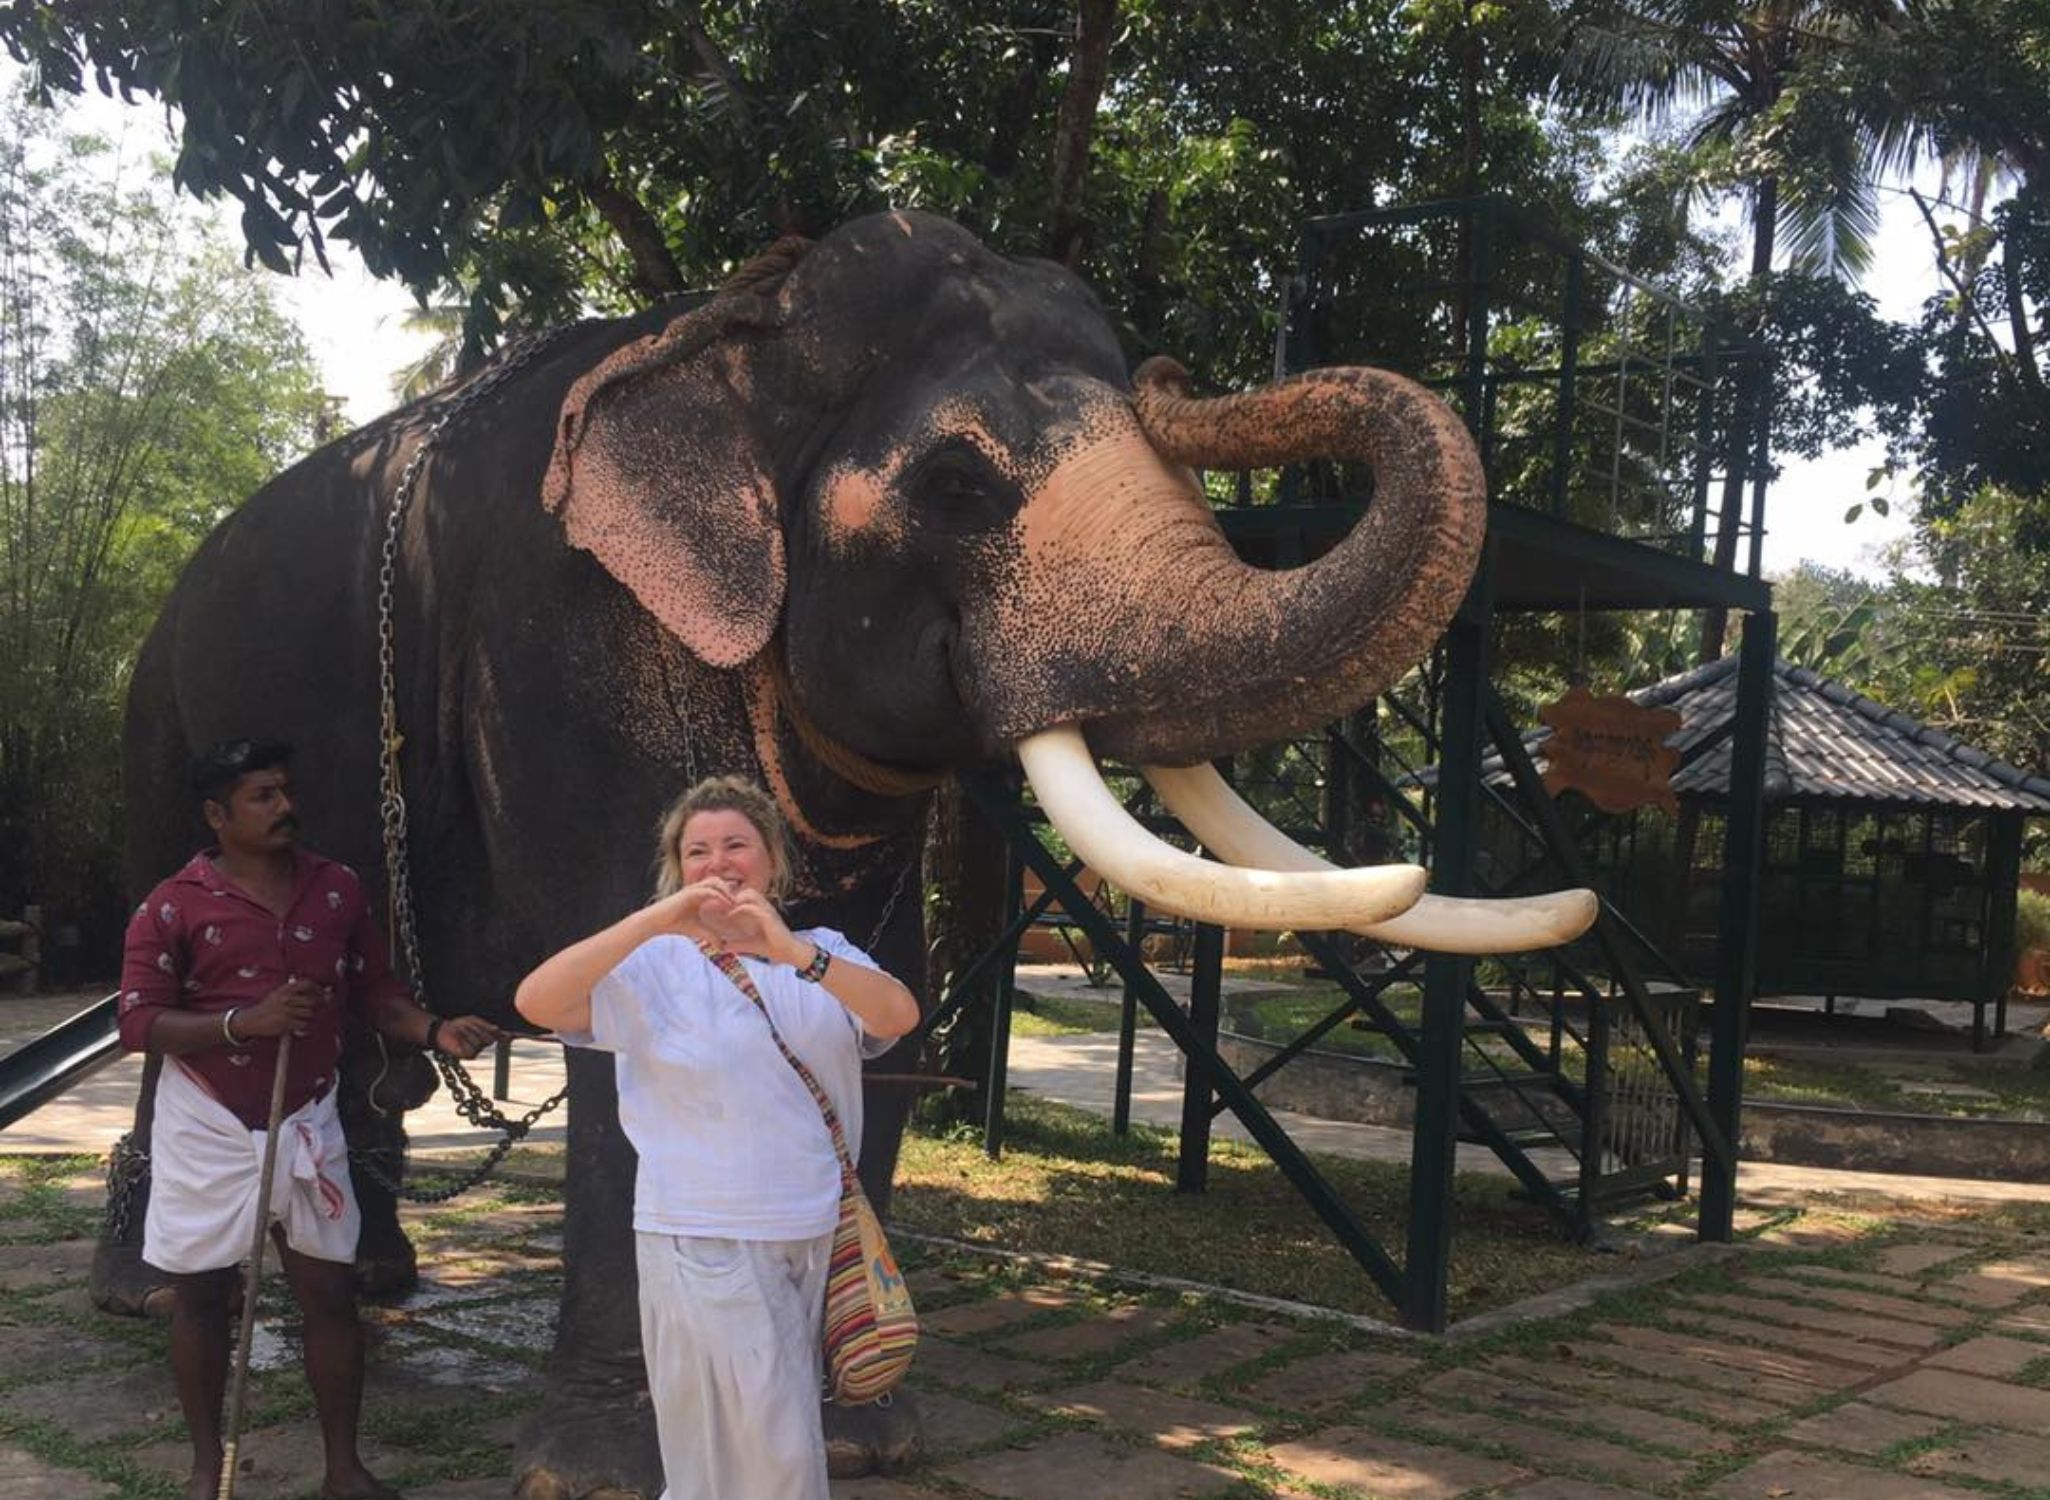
(725, 794)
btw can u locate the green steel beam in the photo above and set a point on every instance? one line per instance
(1206, 987)
(1716, 1145)
(1128, 1024)
(1737, 932)
(1000, 1032)
(998, 805)
(1442, 1037)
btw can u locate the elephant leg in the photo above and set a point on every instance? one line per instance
(377, 1088)
(386, 1265)
(119, 1282)
(878, 1437)
(594, 1434)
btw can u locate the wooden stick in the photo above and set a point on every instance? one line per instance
(252, 1275)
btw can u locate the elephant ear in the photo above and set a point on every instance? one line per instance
(657, 473)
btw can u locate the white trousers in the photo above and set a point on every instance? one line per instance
(730, 1330)
(206, 1166)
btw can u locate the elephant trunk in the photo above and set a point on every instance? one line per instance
(1338, 630)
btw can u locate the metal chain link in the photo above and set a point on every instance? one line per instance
(890, 906)
(487, 1117)
(471, 1102)
(127, 1163)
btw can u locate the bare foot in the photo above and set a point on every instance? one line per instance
(204, 1484)
(357, 1484)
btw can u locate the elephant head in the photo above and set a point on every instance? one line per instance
(912, 476)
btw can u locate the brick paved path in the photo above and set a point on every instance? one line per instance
(1900, 1366)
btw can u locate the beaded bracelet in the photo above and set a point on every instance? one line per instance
(814, 971)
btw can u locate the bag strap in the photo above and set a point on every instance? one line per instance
(730, 965)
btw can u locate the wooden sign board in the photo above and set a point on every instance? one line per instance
(1611, 751)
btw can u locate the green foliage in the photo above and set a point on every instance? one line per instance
(1842, 626)
(2032, 922)
(1958, 636)
(541, 160)
(147, 384)
(1986, 623)
(1769, 95)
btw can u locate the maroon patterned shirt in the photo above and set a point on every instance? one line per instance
(200, 943)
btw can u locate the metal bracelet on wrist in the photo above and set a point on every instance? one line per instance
(815, 971)
(434, 1034)
(228, 1026)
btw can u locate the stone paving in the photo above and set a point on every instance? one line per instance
(1894, 1362)
(1872, 1362)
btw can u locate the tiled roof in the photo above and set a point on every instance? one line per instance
(1825, 741)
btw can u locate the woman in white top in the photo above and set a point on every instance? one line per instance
(738, 1188)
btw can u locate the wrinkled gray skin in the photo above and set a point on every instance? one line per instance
(911, 463)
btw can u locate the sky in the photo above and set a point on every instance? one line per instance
(355, 327)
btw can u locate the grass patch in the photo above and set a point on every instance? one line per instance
(1066, 1185)
(40, 1206)
(1064, 1015)
(2009, 1092)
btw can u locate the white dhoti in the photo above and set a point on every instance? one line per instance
(730, 1330)
(206, 1167)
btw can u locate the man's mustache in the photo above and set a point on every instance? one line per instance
(287, 824)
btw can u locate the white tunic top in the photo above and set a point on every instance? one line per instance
(731, 1142)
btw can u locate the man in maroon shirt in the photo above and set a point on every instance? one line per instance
(253, 939)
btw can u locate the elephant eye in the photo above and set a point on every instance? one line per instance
(957, 484)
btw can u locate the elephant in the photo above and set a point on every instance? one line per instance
(887, 506)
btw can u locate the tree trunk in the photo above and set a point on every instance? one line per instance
(1018, 110)
(2018, 314)
(1095, 21)
(656, 274)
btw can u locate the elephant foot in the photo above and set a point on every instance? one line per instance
(595, 1450)
(879, 1437)
(592, 1442)
(386, 1272)
(121, 1284)
(542, 1484)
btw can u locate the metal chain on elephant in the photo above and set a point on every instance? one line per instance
(487, 1117)
(890, 906)
(471, 1102)
(127, 1165)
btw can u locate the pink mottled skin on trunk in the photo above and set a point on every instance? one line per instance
(1146, 625)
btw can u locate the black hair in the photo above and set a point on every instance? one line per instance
(216, 769)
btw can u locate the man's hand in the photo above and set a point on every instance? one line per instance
(287, 1008)
(463, 1037)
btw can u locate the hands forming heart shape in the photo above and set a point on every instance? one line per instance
(738, 918)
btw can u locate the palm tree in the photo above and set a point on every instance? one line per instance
(439, 362)
(1764, 88)
(1767, 91)
(1973, 76)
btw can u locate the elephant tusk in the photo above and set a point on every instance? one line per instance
(1070, 789)
(1226, 824)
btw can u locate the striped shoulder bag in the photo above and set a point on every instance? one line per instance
(871, 1330)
